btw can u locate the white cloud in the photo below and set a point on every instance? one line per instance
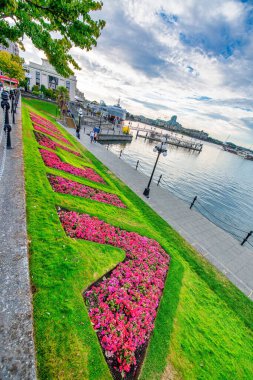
(169, 53)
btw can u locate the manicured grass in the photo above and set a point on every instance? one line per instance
(204, 324)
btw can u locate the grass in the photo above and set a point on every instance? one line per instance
(204, 324)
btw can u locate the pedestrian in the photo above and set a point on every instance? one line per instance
(92, 136)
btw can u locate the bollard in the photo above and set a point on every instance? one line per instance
(107, 147)
(12, 97)
(6, 106)
(137, 164)
(137, 133)
(194, 200)
(246, 238)
(159, 179)
(120, 153)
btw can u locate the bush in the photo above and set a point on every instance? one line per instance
(35, 88)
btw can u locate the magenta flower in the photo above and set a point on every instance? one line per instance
(48, 143)
(48, 132)
(53, 161)
(122, 306)
(66, 186)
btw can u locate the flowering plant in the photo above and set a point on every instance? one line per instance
(44, 122)
(66, 186)
(38, 128)
(48, 143)
(123, 305)
(53, 161)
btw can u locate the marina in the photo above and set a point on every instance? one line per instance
(182, 143)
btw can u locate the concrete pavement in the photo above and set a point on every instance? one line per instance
(17, 353)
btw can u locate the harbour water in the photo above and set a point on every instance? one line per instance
(223, 182)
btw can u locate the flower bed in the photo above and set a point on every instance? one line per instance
(46, 123)
(122, 306)
(48, 143)
(38, 128)
(66, 186)
(53, 161)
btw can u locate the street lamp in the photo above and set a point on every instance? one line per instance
(80, 114)
(160, 148)
(6, 106)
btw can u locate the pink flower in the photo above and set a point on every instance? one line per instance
(66, 186)
(48, 143)
(123, 305)
(53, 161)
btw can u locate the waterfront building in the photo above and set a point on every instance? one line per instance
(46, 75)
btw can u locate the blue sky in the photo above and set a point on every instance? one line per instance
(186, 57)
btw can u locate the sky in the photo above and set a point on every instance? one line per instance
(188, 58)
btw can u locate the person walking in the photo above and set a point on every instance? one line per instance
(92, 134)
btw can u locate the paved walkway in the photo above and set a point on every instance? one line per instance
(220, 248)
(17, 358)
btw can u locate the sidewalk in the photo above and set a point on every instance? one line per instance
(17, 355)
(220, 248)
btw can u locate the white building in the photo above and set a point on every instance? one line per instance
(46, 75)
(12, 48)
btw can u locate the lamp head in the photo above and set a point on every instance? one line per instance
(163, 140)
(165, 153)
(155, 149)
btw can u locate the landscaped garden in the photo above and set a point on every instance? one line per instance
(117, 293)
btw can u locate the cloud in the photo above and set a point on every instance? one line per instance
(218, 116)
(152, 106)
(191, 58)
(248, 122)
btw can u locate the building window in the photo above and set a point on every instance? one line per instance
(37, 78)
(52, 82)
(68, 85)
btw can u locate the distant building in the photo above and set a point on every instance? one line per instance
(12, 48)
(79, 96)
(173, 124)
(46, 75)
(4, 79)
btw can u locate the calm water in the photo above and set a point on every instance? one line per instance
(222, 181)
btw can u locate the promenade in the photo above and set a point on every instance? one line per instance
(216, 245)
(17, 354)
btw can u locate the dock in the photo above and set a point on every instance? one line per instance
(187, 144)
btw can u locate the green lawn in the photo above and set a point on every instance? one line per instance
(204, 324)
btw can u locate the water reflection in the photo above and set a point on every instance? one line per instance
(222, 181)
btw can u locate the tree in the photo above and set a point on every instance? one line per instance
(69, 20)
(11, 65)
(62, 97)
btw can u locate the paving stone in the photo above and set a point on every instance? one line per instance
(17, 353)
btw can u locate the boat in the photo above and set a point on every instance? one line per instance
(249, 156)
(229, 149)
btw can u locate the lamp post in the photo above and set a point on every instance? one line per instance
(160, 148)
(80, 114)
(6, 106)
